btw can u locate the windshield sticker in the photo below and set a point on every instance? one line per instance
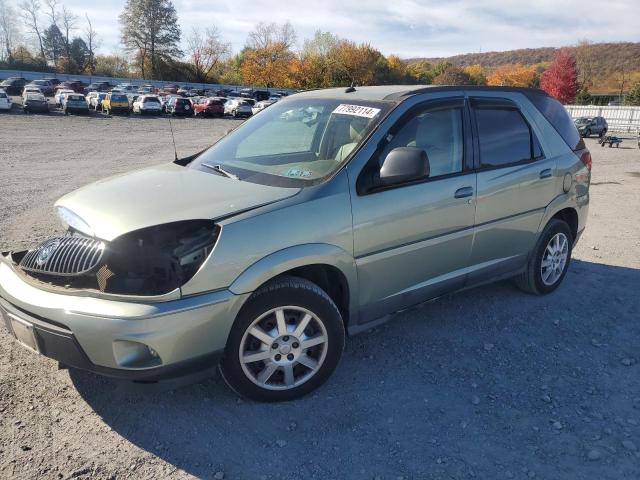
(356, 110)
(295, 172)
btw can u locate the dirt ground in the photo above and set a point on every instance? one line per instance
(489, 383)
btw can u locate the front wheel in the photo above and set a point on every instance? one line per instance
(549, 260)
(285, 342)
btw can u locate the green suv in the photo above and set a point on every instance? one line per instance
(321, 216)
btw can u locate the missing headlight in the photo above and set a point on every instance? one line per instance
(159, 259)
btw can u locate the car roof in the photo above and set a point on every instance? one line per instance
(398, 93)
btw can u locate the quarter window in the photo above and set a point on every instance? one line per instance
(505, 137)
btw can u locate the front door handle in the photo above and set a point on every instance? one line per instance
(546, 173)
(464, 192)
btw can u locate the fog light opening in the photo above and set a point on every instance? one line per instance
(130, 354)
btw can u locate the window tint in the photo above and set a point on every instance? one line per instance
(557, 116)
(439, 134)
(504, 137)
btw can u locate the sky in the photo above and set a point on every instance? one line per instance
(408, 28)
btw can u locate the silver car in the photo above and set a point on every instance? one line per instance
(263, 252)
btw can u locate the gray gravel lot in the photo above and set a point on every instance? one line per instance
(489, 383)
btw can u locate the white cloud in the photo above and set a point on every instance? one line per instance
(405, 27)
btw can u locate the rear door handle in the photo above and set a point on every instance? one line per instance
(546, 173)
(464, 192)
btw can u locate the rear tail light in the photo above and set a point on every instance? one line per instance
(585, 157)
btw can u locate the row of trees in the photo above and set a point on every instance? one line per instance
(45, 35)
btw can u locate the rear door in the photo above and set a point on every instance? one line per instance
(516, 181)
(413, 241)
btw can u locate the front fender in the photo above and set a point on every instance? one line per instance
(299, 256)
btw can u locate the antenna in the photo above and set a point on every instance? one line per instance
(173, 139)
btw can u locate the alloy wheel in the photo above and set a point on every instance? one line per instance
(283, 348)
(554, 259)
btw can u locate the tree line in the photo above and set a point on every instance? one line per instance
(45, 35)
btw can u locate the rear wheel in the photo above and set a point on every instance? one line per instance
(549, 260)
(285, 342)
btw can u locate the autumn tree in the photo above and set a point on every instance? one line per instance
(267, 58)
(513, 76)
(149, 29)
(353, 64)
(560, 80)
(476, 73)
(453, 76)
(206, 52)
(421, 72)
(585, 64)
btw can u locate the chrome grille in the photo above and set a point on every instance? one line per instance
(65, 256)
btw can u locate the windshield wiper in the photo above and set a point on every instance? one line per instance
(221, 171)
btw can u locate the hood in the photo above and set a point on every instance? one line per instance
(163, 194)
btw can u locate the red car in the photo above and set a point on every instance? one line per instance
(208, 107)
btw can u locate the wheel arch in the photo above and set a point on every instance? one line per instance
(330, 267)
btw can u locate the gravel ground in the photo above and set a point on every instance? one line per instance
(489, 383)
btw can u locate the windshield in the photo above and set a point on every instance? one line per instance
(294, 143)
(583, 120)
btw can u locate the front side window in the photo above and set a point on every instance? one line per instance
(504, 137)
(439, 133)
(297, 142)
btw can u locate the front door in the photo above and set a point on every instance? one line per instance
(413, 242)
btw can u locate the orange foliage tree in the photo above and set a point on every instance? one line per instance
(513, 76)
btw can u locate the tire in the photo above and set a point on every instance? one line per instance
(587, 133)
(532, 280)
(298, 299)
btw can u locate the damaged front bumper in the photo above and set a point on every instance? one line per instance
(124, 338)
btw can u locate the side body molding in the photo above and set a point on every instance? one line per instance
(300, 256)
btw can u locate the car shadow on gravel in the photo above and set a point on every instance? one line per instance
(486, 383)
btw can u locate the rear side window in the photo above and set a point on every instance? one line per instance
(505, 138)
(557, 116)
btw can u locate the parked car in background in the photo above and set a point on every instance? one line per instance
(170, 88)
(588, 126)
(45, 87)
(60, 93)
(209, 107)
(115, 103)
(13, 85)
(5, 101)
(35, 103)
(146, 89)
(238, 107)
(98, 87)
(96, 102)
(259, 106)
(76, 85)
(30, 89)
(75, 103)
(179, 106)
(147, 104)
(260, 95)
(53, 81)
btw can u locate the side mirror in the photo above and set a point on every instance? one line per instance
(404, 164)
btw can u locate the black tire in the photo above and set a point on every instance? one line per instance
(530, 280)
(280, 292)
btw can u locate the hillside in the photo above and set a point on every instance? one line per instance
(607, 60)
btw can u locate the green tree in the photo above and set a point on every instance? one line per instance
(149, 29)
(633, 96)
(54, 44)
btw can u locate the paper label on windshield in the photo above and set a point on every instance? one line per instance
(356, 110)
